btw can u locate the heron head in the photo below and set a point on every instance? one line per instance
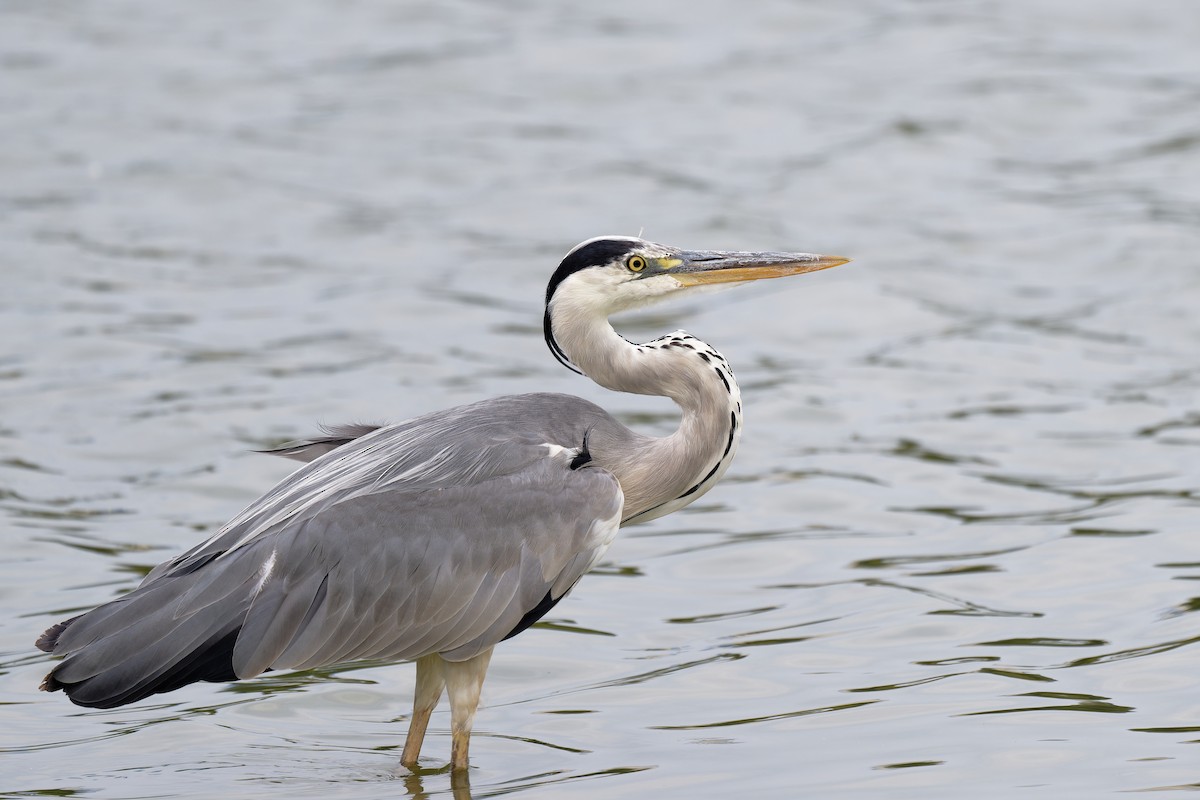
(617, 273)
(610, 274)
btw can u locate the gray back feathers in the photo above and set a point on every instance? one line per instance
(434, 535)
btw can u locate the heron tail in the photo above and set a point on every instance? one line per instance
(162, 636)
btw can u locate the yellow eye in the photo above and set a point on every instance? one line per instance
(636, 263)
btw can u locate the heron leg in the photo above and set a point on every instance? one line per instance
(464, 681)
(430, 682)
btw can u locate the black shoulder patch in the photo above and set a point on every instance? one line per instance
(584, 457)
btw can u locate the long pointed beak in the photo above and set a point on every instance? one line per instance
(716, 266)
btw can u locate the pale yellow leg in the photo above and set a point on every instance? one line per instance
(464, 682)
(430, 682)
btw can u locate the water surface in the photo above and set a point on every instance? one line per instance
(957, 552)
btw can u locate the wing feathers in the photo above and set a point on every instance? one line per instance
(311, 449)
(277, 613)
(367, 552)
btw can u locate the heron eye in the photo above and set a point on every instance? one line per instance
(636, 263)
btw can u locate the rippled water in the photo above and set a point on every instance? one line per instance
(957, 555)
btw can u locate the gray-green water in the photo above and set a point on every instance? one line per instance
(957, 555)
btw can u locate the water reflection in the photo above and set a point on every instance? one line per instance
(459, 783)
(414, 783)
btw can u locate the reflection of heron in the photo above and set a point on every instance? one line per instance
(434, 539)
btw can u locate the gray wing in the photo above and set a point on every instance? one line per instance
(471, 563)
(441, 534)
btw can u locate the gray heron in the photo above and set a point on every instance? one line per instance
(434, 539)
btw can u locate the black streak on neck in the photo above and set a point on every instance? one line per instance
(593, 254)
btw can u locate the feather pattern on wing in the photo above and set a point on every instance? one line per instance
(436, 535)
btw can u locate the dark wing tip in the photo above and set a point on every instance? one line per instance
(49, 640)
(46, 643)
(210, 660)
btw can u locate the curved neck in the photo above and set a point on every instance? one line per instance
(660, 475)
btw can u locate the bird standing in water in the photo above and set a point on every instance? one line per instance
(434, 539)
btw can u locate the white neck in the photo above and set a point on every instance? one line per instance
(662, 474)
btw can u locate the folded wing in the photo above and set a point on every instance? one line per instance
(416, 539)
